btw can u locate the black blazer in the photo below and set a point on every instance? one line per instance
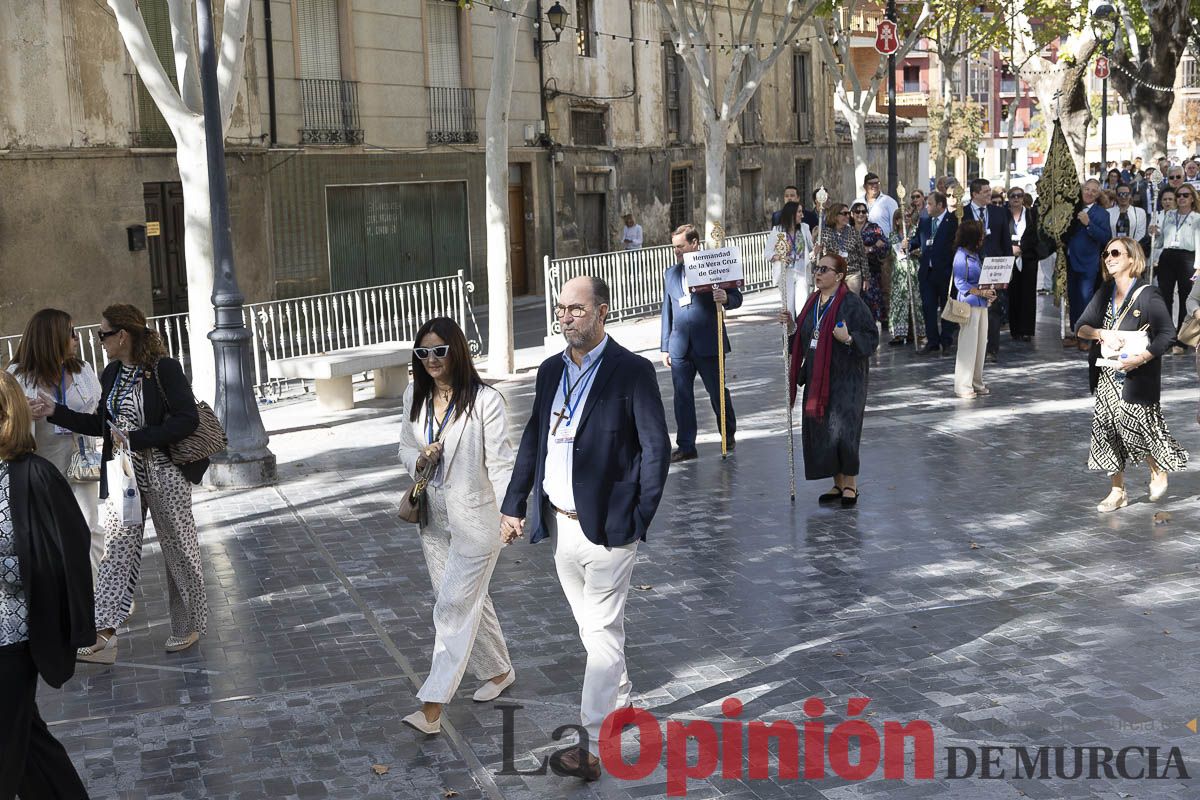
(622, 451)
(164, 426)
(996, 221)
(938, 259)
(1144, 384)
(52, 542)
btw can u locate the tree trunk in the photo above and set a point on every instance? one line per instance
(856, 122)
(192, 158)
(1012, 126)
(716, 136)
(1149, 109)
(949, 68)
(501, 358)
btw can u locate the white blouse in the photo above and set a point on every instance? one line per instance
(1180, 231)
(57, 444)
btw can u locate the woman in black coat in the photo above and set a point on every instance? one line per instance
(1022, 287)
(45, 604)
(833, 339)
(146, 405)
(1128, 424)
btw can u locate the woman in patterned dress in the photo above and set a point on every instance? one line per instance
(876, 245)
(146, 405)
(1128, 424)
(905, 302)
(840, 237)
(45, 604)
(47, 360)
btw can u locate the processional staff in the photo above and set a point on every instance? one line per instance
(901, 192)
(718, 240)
(785, 288)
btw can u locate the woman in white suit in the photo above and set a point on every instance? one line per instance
(452, 419)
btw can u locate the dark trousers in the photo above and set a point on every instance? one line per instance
(1080, 288)
(683, 378)
(1174, 273)
(933, 297)
(33, 765)
(1022, 299)
(997, 311)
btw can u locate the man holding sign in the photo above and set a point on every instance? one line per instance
(689, 344)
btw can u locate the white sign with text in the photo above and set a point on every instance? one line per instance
(721, 266)
(997, 270)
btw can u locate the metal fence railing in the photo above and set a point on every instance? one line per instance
(452, 116)
(635, 277)
(312, 325)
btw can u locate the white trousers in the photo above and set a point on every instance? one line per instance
(595, 580)
(972, 348)
(466, 631)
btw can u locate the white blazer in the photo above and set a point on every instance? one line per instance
(795, 288)
(1138, 224)
(477, 462)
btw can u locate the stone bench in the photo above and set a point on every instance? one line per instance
(333, 372)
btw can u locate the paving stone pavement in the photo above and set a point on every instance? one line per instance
(974, 587)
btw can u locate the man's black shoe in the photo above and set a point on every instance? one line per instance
(929, 349)
(576, 762)
(683, 455)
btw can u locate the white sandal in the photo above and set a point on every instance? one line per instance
(1116, 499)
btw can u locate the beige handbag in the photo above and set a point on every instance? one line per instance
(1189, 332)
(956, 311)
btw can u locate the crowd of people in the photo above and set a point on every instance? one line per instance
(592, 461)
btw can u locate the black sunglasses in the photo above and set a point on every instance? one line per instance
(423, 353)
(821, 269)
(102, 335)
(1115, 253)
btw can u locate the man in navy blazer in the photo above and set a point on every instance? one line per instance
(595, 454)
(934, 240)
(997, 241)
(689, 345)
(1089, 232)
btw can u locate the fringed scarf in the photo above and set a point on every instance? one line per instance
(818, 390)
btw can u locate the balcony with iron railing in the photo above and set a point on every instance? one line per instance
(330, 112)
(452, 116)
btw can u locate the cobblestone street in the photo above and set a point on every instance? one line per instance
(974, 587)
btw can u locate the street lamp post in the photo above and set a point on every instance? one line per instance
(246, 461)
(1104, 28)
(892, 168)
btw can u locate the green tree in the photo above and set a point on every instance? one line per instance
(962, 134)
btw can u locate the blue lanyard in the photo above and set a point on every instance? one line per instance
(61, 394)
(1112, 304)
(429, 435)
(819, 314)
(584, 380)
(1179, 223)
(120, 392)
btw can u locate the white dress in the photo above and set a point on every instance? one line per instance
(82, 395)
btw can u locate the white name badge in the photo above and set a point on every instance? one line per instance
(929, 242)
(564, 437)
(686, 300)
(812, 343)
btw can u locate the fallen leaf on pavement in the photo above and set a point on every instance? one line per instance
(645, 587)
(1162, 517)
(449, 793)
(974, 546)
(380, 769)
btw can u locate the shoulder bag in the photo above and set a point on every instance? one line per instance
(85, 464)
(205, 442)
(414, 507)
(956, 311)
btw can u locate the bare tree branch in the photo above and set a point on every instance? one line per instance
(145, 60)
(183, 45)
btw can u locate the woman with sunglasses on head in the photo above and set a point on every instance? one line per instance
(1180, 238)
(842, 238)
(455, 424)
(1128, 424)
(45, 605)
(831, 342)
(146, 405)
(47, 361)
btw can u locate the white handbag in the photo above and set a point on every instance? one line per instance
(123, 492)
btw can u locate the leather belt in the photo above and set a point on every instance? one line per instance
(567, 514)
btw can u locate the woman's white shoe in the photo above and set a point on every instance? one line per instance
(104, 652)
(1158, 488)
(1116, 499)
(417, 721)
(490, 691)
